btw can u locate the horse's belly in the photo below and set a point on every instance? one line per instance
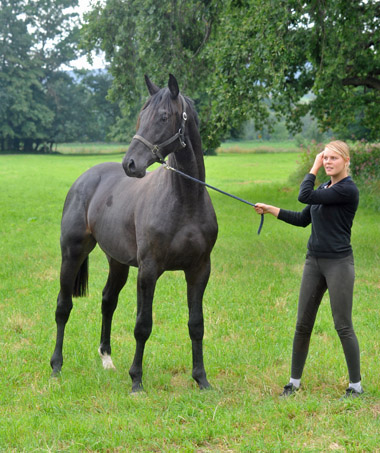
(114, 231)
(120, 248)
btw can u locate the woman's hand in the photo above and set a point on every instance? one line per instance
(318, 163)
(262, 208)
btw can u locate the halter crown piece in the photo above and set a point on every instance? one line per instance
(156, 149)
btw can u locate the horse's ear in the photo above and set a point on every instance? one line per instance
(152, 88)
(173, 86)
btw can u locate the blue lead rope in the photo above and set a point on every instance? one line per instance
(215, 188)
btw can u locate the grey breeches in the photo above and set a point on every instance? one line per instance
(337, 276)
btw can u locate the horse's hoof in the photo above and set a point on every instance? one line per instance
(137, 389)
(56, 374)
(201, 380)
(106, 361)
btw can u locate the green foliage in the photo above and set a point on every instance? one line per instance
(142, 37)
(283, 50)
(365, 164)
(82, 111)
(249, 309)
(365, 169)
(36, 39)
(241, 60)
(267, 62)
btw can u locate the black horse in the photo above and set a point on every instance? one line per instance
(156, 221)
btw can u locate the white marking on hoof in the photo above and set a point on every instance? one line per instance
(107, 361)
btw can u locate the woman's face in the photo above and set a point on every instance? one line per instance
(334, 164)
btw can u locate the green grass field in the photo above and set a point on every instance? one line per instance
(240, 147)
(250, 311)
(91, 148)
(258, 146)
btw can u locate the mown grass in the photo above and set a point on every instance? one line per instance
(258, 146)
(91, 148)
(250, 310)
(247, 146)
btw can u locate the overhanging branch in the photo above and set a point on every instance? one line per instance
(369, 82)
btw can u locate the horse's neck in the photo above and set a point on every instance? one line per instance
(189, 160)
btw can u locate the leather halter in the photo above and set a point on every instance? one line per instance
(156, 149)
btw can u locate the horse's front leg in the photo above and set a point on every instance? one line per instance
(146, 283)
(197, 280)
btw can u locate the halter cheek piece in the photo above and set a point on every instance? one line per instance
(156, 149)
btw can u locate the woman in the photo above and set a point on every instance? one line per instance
(329, 261)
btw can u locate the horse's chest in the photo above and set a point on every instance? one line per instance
(186, 246)
(182, 246)
(189, 237)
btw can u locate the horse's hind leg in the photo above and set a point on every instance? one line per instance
(118, 274)
(75, 252)
(197, 280)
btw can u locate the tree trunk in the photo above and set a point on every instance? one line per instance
(28, 145)
(16, 145)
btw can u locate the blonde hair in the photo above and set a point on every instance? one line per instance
(340, 148)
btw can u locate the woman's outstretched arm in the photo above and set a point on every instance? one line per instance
(262, 208)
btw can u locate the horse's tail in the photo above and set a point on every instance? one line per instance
(81, 281)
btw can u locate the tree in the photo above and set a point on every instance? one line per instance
(231, 55)
(36, 37)
(282, 50)
(101, 113)
(143, 36)
(20, 88)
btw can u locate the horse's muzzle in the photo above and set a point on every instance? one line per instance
(131, 170)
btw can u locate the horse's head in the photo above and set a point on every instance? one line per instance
(160, 128)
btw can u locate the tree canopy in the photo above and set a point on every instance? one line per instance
(238, 59)
(284, 50)
(39, 102)
(34, 40)
(150, 37)
(241, 59)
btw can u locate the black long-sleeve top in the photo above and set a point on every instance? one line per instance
(331, 211)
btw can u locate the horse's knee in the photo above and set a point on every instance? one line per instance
(109, 304)
(143, 329)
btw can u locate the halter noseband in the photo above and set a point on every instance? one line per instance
(156, 149)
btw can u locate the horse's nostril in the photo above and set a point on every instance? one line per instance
(131, 164)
